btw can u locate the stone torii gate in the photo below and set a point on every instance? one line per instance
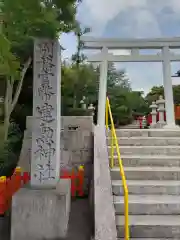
(134, 45)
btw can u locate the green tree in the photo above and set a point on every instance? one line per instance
(137, 103)
(154, 94)
(78, 59)
(156, 91)
(84, 79)
(22, 22)
(118, 88)
(116, 77)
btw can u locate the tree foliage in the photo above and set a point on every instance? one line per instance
(22, 21)
(157, 91)
(123, 100)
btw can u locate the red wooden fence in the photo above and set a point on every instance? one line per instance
(8, 186)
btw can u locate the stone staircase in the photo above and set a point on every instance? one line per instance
(133, 125)
(151, 160)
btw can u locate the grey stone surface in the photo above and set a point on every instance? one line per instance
(133, 125)
(151, 238)
(29, 122)
(147, 141)
(147, 132)
(151, 226)
(148, 160)
(152, 169)
(41, 214)
(148, 173)
(147, 187)
(158, 125)
(25, 156)
(46, 127)
(80, 221)
(5, 227)
(91, 200)
(105, 227)
(150, 150)
(149, 205)
(76, 145)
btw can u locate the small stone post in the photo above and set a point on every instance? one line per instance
(91, 108)
(83, 103)
(153, 113)
(161, 109)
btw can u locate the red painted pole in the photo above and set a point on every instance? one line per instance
(80, 185)
(140, 122)
(3, 182)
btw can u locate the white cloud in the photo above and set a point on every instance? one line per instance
(144, 75)
(122, 52)
(105, 10)
(138, 18)
(175, 4)
(99, 13)
(102, 11)
(147, 25)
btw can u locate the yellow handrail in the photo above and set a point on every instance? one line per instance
(121, 169)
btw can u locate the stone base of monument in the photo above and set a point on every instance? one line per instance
(41, 214)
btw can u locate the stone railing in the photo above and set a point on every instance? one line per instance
(104, 213)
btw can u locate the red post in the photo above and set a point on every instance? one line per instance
(3, 206)
(140, 122)
(73, 183)
(25, 177)
(15, 181)
(80, 183)
(65, 174)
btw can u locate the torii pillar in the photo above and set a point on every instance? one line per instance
(102, 87)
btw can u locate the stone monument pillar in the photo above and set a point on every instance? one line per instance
(161, 110)
(153, 113)
(45, 164)
(42, 211)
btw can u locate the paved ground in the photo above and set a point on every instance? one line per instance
(80, 221)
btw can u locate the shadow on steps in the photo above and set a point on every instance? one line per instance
(80, 222)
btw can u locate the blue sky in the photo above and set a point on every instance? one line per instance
(131, 19)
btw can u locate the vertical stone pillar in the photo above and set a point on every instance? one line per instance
(42, 211)
(102, 88)
(161, 109)
(153, 113)
(45, 162)
(168, 91)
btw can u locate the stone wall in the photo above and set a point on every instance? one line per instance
(76, 145)
(104, 213)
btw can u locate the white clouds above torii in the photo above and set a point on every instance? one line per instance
(98, 13)
(138, 18)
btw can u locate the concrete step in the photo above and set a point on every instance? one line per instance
(147, 173)
(147, 187)
(152, 226)
(130, 127)
(146, 141)
(148, 160)
(150, 238)
(146, 132)
(149, 150)
(149, 205)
